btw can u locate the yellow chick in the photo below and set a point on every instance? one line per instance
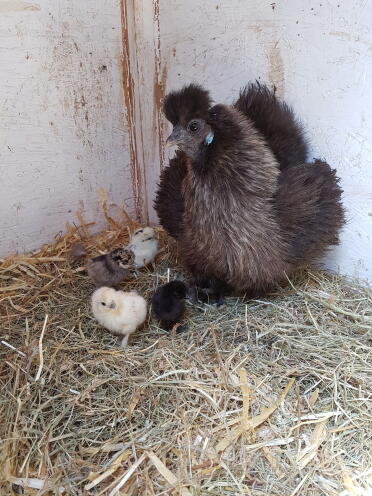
(119, 312)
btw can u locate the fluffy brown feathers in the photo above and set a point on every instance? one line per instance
(230, 230)
(111, 268)
(169, 203)
(245, 207)
(190, 102)
(276, 121)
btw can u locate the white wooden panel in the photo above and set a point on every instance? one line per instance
(149, 79)
(318, 54)
(63, 130)
(63, 126)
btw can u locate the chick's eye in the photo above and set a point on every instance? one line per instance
(103, 303)
(194, 126)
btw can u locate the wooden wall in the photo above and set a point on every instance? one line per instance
(82, 84)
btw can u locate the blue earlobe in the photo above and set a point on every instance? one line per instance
(209, 138)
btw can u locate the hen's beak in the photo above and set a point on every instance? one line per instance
(176, 137)
(112, 305)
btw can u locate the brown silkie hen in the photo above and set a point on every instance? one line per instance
(274, 119)
(245, 208)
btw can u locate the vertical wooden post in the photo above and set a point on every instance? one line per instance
(144, 81)
(129, 81)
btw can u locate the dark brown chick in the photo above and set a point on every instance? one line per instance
(111, 268)
(233, 226)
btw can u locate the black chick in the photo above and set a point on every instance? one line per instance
(111, 268)
(168, 304)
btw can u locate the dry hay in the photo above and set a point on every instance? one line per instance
(266, 398)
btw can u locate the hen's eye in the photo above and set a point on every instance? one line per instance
(103, 303)
(194, 126)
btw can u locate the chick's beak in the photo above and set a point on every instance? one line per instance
(176, 137)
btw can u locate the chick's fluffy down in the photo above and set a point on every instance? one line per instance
(144, 245)
(119, 312)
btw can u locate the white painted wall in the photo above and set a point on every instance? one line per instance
(318, 54)
(63, 131)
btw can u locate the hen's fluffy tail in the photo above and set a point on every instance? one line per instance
(309, 209)
(276, 122)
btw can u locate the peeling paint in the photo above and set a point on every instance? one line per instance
(342, 35)
(160, 78)
(63, 130)
(159, 91)
(17, 6)
(261, 26)
(276, 68)
(128, 92)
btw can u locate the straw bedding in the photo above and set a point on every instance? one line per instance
(267, 397)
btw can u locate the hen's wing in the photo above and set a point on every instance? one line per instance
(169, 202)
